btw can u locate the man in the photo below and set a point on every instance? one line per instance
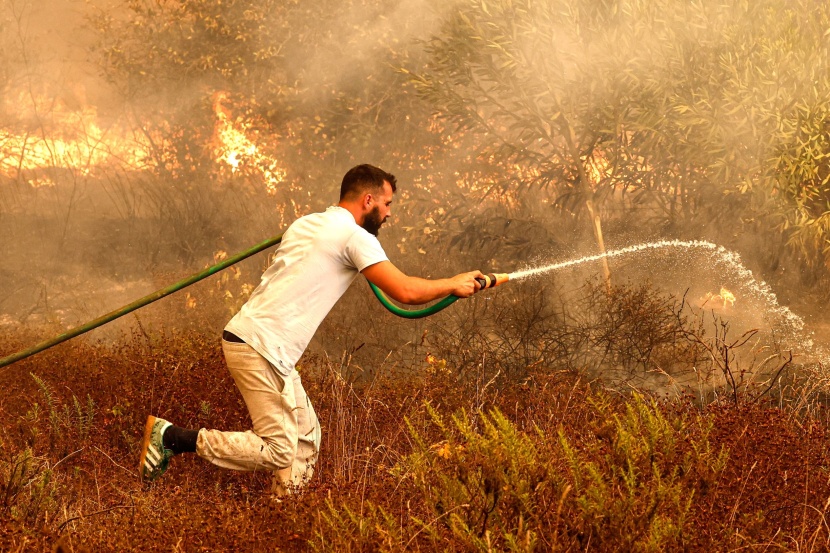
(319, 257)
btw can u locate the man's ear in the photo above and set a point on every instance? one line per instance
(367, 200)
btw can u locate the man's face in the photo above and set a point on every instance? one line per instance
(381, 210)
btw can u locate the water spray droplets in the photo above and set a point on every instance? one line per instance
(780, 317)
(615, 253)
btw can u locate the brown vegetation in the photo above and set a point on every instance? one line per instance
(532, 417)
(449, 455)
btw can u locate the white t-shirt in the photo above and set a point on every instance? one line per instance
(319, 257)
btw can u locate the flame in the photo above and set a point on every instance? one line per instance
(58, 137)
(724, 299)
(28, 152)
(727, 297)
(49, 135)
(597, 169)
(235, 149)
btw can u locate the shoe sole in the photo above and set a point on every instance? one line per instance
(145, 444)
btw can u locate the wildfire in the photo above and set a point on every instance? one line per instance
(50, 135)
(597, 168)
(723, 299)
(58, 137)
(234, 148)
(727, 297)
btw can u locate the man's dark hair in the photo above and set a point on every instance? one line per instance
(365, 178)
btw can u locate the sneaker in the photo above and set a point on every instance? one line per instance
(154, 456)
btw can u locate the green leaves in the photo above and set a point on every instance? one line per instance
(624, 482)
(687, 103)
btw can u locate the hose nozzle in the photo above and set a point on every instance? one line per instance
(492, 279)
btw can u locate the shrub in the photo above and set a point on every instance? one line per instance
(487, 485)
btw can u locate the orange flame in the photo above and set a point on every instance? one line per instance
(234, 148)
(727, 297)
(64, 138)
(51, 135)
(724, 299)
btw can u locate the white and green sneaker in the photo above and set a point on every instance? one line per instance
(154, 456)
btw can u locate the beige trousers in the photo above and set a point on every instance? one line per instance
(286, 433)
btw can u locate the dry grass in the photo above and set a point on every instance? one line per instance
(466, 450)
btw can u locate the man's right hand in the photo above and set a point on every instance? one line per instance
(414, 290)
(465, 284)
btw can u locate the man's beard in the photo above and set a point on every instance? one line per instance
(373, 221)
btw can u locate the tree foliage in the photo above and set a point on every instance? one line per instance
(164, 48)
(701, 119)
(677, 113)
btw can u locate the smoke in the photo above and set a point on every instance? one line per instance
(84, 222)
(44, 50)
(111, 184)
(355, 41)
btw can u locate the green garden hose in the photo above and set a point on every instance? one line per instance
(150, 298)
(488, 281)
(412, 313)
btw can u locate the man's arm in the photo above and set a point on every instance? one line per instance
(413, 290)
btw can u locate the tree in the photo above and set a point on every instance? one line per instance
(681, 113)
(520, 71)
(741, 128)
